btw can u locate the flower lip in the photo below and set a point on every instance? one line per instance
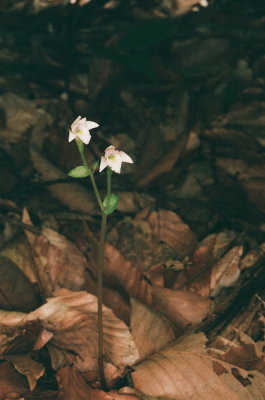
(80, 129)
(114, 159)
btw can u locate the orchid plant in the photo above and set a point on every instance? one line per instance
(112, 160)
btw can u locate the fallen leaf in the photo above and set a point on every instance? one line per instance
(12, 384)
(183, 372)
(168, 227)
(59, 263)
(226, 271)
(132, 280)
(17, 292)
(72, 386)
(242, 352)
(150, 330)
(24, 364)
(19, 251)
(181, 307)
(21, 114)
(72, 318)
(197, 273)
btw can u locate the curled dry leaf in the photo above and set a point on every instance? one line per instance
(17, 292)
(112, 299)
(181, 307)
(180, 372)
(72, 317)
(150, 330)
(19, 251)
(59, 263)
(242, 352)
(128, 276)
(12, 384)
(226, 271)
(24, 364)
(169, 227)
(72, 386)
(21, 114)
(197, 274)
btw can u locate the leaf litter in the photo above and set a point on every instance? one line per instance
(168, 274)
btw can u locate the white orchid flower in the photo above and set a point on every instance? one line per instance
(113, 159)
(80, 129)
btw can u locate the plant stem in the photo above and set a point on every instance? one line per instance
(100, 265)
(92, 179)
(100, 262)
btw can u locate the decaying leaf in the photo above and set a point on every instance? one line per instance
(168, 227)
(73, 195)
(197, 275)
(24, 364)
(242, 352)
(17, 292)
(226, 271)
(12, 384)
(72, 386)
(72, 318)
(180, 372)
(21, 114)
(58, 261)
(181, 307)
(150, 330)
(127, 275)
(19, 251)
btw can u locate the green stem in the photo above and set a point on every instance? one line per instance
(109, 174)
(100, 265)
(91, 176)
(100, 261)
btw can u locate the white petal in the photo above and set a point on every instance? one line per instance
(103, 164)
(124, 157)
(72, 136)
(115, 164)
(91, 125)
(75, 122)
(85, 137)
(109, 150)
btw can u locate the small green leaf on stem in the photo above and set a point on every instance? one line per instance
(110, 203)
(79, 172)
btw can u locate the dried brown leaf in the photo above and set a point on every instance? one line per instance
(72, 317)
(73, 195)
(168, 227)
(226, 271)
(58, 261)
(181, 307)
(19, 251)
(72, 386)
(242, 352)
(24, 364)
(185, 373)
(12, 384)
(129, 277)
(150, 330)
(197, 274)
(17, 292)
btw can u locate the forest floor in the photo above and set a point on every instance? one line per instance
(181, 89)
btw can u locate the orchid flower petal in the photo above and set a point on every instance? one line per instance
(103, 164)
(125, 157)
